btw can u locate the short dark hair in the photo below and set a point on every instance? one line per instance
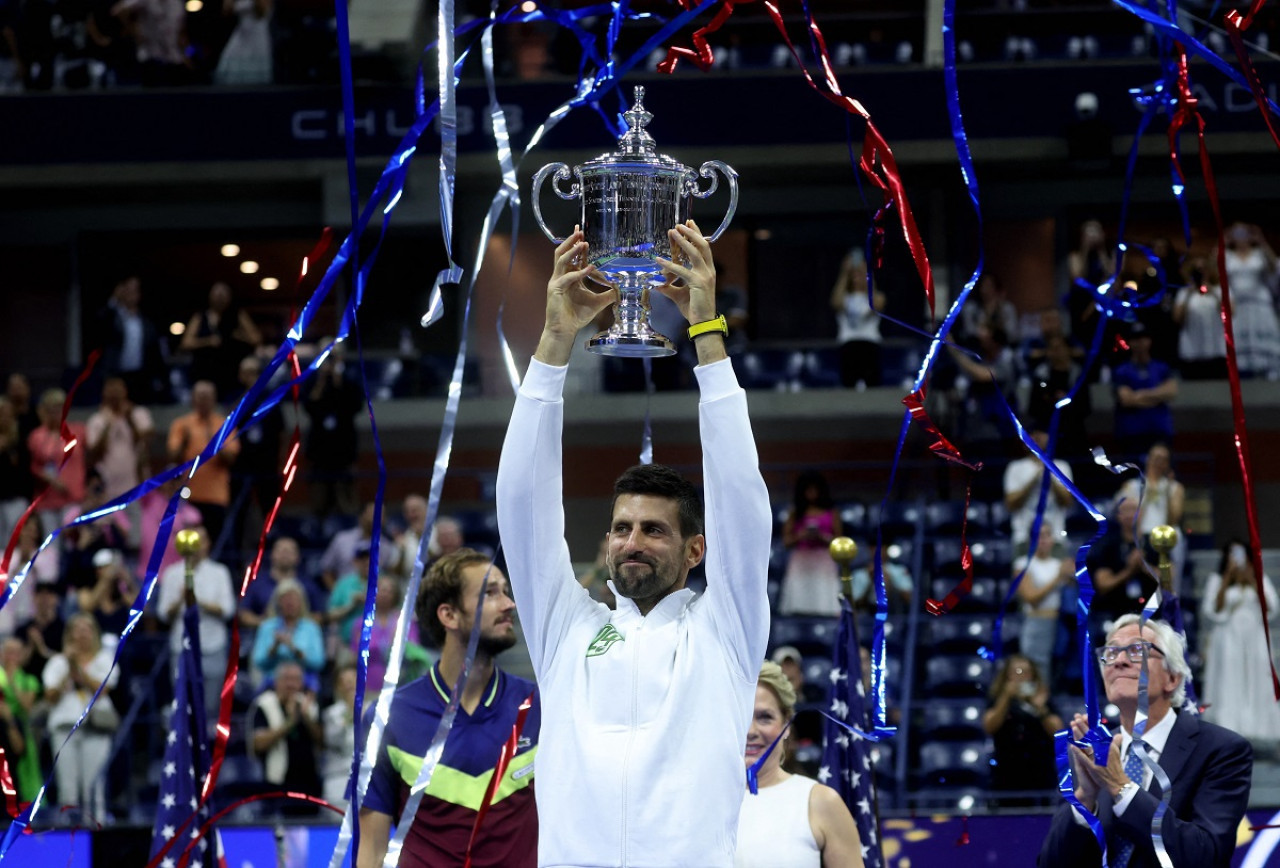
(659, 480)
(443, 584)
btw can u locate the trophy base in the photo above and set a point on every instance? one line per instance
(652, 345)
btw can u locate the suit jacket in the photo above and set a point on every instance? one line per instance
(1209, 769)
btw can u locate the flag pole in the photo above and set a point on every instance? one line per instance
(843, 550)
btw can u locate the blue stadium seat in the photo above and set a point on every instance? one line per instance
(979, 516)
(984, 596)
(952, 720)
(999, 518)
(900, 519)
(955, 764)
(855, 518)
(960, 633)
(956, 676)
(947, 516)
(817, 670)
(808, 635)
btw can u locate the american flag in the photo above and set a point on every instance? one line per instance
(846, 758)
(186, 761)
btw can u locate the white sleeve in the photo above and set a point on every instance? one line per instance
(224, 592)
(55, 672)
(530, 501)
(169, 589)
(739, 521)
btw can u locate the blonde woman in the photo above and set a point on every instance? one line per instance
(70, 678)
(793, 821)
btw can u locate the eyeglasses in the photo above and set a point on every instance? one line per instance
(1109, 654)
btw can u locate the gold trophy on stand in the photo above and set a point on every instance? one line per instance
(843, 550)
(1163, 539)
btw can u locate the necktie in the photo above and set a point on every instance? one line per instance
(1123, 850)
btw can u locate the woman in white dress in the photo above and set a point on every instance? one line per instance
(246, 58)
(1237, 674)
(792, 821)
(1251, 271)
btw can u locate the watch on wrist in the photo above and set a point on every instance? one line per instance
(719, 325)
(1125, 789)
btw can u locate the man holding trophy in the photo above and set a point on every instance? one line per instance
(646, 708)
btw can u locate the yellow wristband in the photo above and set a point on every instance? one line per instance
(719, 324)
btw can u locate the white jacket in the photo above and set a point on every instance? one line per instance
(640, 757)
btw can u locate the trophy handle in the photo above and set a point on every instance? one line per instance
(708, 171)
(561, 174)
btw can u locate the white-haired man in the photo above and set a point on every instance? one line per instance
(1209, 768)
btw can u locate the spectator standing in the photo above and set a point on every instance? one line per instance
(332, 447)
(857, 323)
(1022, 480)
(288, 634)
(346, 600)
(43, 632)
(1145, 389)
(257, 467)
(898, 583)
(152, 506)
(216, 599)
(62, 487)
(338, 722)
(1237, 678)
(15, 472)
(159, 29)
(991, 308)
(1162, 501)
(1251, 273)
(246, 58)
(188, 436)
(109, 598)
(414, 510)
(18, 391)
(131, 344)
(811, 585)
(986, 389)
(81, 543)
(1202, 347)
(1158, 317)
(1051, 381)
(46, 569)
(20, 690)
(118, 438)
(70, 678)
(285, 727)
(217, 338)
(1021, 723)
(1040, 593)
(339, 557)
(1117, 565)
(1093, 262)
(446, 537)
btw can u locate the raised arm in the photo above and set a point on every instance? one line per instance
(529, 488)
(738, 517)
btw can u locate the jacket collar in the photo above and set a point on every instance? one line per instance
(669, 608)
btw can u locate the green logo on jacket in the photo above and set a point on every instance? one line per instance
(603, 641)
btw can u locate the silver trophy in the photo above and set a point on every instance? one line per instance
(630, 199)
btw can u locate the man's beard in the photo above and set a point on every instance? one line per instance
(644, 586)
(492, 646)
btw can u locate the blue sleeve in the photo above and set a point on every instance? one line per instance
(262, 642)
(310, 645)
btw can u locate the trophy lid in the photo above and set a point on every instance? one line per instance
(636, 146)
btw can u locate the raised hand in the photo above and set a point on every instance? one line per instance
(570, 303)
(695, 294)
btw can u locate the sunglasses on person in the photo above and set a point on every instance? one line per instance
(1109, 654)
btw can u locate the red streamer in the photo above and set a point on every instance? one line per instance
(69, 443)
(499, 770)
(1187, 111)
(1235, 24)
(701, 55)
(6, 785)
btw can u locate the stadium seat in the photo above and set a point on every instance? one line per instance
(959, 633)
(957, 676)
(945, 517)
(809, 636)
(952, 720)
(955, 764)
(984, 596)
(900, 520)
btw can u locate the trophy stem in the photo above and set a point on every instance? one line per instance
(631, 336)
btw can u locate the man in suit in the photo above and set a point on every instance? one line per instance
(1209, 767)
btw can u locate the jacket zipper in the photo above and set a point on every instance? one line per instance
(626, 756)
